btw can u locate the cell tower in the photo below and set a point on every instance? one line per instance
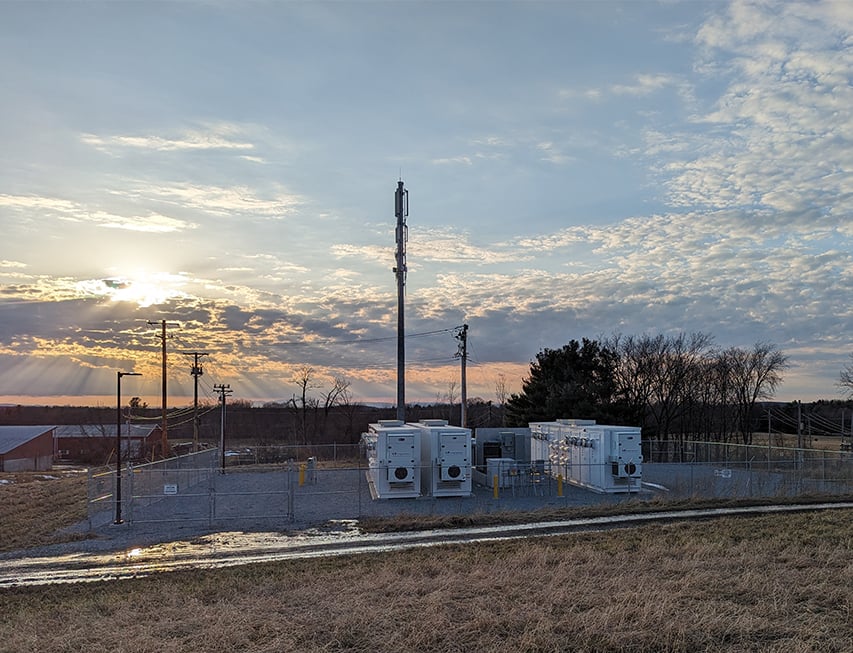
(401, 210)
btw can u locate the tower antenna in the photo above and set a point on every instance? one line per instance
(401, 210)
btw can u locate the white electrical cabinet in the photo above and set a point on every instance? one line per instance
(500, 470)
(599, 457)
(445, 459)
(394, 459)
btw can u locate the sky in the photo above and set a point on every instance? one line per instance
(575, 169)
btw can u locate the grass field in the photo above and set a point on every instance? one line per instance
(747, 584)
(771, 583)
(34, 506)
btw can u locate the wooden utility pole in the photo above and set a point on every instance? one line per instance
(164, 435)
(224, 390)
(196, 372)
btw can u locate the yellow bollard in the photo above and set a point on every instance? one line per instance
(495, 486)
(559, 485)
(301, 474)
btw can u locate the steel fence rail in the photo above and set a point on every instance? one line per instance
(273, 486)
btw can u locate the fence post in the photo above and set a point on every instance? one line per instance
(290, 484)
(129, 493)
(211, 499)
(90, 493)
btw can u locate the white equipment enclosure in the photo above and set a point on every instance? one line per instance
(394, 458)
(602, 458)
(446, 459)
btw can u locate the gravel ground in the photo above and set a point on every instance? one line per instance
(259, 501)
(272, 501)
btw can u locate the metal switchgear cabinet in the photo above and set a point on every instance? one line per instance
(446, 459)
(394, 460)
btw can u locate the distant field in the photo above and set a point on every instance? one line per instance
(33, 506)
(772, 583)
(822, 442)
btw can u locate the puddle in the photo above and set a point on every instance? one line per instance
(340, 537)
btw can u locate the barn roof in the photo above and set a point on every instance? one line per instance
(104, 430)
(12, 437)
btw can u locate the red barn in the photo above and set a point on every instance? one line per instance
(96, 443)
(26, 448)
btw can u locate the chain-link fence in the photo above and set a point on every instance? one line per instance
(277, 486)
(729, 470)
(189, 488)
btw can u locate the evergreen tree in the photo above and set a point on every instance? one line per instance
(576, 381)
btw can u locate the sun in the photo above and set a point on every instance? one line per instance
(145, 288)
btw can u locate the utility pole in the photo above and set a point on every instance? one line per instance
(401, 210)
(164, 442)
(223, 390)
(769, 439)
(118, 443)
(462, 353)
(196, 370)
(799, 425)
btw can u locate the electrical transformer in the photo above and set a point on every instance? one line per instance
(394, 459)
(599, 457)
(445, 457)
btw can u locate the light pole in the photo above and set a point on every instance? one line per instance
(118, 442)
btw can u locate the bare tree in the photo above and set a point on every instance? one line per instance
(719, 398)
(845, 380)
(451, 397)
(350, 408)
(502, 394)
(304, 379)
(755, 375)
(633, 373)
(657, 380)
(332, 398)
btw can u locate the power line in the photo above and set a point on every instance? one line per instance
(357, 341)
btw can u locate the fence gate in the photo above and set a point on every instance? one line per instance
(193, 488)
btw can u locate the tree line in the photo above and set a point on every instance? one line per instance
(675, 386)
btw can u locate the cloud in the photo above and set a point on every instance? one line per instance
(641, 85)
(218, 200)
(455, 160)
(750, 168)
(435, 245)
(552, 154)
(780, 135)
(27, 202)
(644, 85)
(216, 137)
(80, 212)
(151, 223)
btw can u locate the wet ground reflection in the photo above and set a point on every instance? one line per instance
(340, 537)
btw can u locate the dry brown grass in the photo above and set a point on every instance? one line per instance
(773, 583)
(821, 442)
(410, 522)
(35, 506)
